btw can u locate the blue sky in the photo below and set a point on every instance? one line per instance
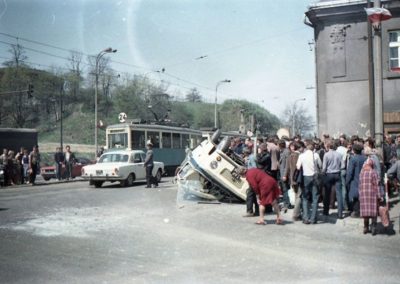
(260, 45)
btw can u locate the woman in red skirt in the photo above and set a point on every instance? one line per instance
(267, 191)
(369, 193)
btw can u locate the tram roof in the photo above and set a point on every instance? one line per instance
(154, 127)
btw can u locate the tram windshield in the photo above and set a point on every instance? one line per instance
(117, 140)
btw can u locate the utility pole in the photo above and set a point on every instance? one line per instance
(61, 116)
(371, 77)
(378, 84)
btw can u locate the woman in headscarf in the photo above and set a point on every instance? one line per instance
(369, 194)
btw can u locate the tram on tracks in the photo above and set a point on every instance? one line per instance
(169, 142)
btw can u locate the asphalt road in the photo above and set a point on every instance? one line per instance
(74, 233)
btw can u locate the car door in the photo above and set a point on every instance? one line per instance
(140, 170)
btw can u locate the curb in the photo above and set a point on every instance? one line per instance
(42, 183)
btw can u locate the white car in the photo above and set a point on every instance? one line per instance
(124, 166)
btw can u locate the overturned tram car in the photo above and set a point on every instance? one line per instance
(212, 172)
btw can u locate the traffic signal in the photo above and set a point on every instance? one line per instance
(30, 91)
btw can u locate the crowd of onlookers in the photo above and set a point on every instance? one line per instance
(21, 167)
(346, 173)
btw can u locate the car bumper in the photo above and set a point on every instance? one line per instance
(48, 175)
(102, 178)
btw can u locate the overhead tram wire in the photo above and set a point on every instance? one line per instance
(206, 55)
(220, 51)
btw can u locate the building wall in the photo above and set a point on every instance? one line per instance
(341, 41)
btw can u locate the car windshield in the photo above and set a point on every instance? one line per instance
(114, 158)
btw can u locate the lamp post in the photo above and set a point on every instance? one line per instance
(215, 105)
(293, 117)
(98, 57)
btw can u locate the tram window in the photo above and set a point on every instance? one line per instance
(138, 139)
(176, 140)
(118, 140)
(166, 140)
(185, 141)
(154, 137)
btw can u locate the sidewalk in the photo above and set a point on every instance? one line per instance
(40, 182)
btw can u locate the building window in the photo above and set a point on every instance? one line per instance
(394, 50)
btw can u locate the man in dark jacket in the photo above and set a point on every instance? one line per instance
(149, 165)
(59, 159)
(356, 163)
(264, 159)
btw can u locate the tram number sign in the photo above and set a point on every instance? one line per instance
(122, 117)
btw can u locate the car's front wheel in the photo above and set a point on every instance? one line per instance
(129, 180)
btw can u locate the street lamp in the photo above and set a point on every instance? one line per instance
(215, 106)
(98, 57)
(293, 108)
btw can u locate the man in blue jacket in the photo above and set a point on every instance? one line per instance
(356, 163)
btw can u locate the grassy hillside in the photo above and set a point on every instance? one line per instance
(78, 127)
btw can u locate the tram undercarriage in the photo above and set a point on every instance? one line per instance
(211, 172)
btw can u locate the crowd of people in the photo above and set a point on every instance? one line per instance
(21, 167)
(346, 173)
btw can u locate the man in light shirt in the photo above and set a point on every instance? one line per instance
(331, 167)
(309, 161)
(69, 161)
(343, 150)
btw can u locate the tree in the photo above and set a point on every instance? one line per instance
(193, 96)
(74, 77)
(297, 116)
(15, 78)
(265, 122)
(18, 56)
(181, 114)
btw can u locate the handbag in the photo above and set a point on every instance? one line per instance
(384, 215)
(318, 175)
(291, 195)
(383, 209)
(298, 176)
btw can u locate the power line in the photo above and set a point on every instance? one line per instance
(220, 51)
(66, 50)
(38, 43)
